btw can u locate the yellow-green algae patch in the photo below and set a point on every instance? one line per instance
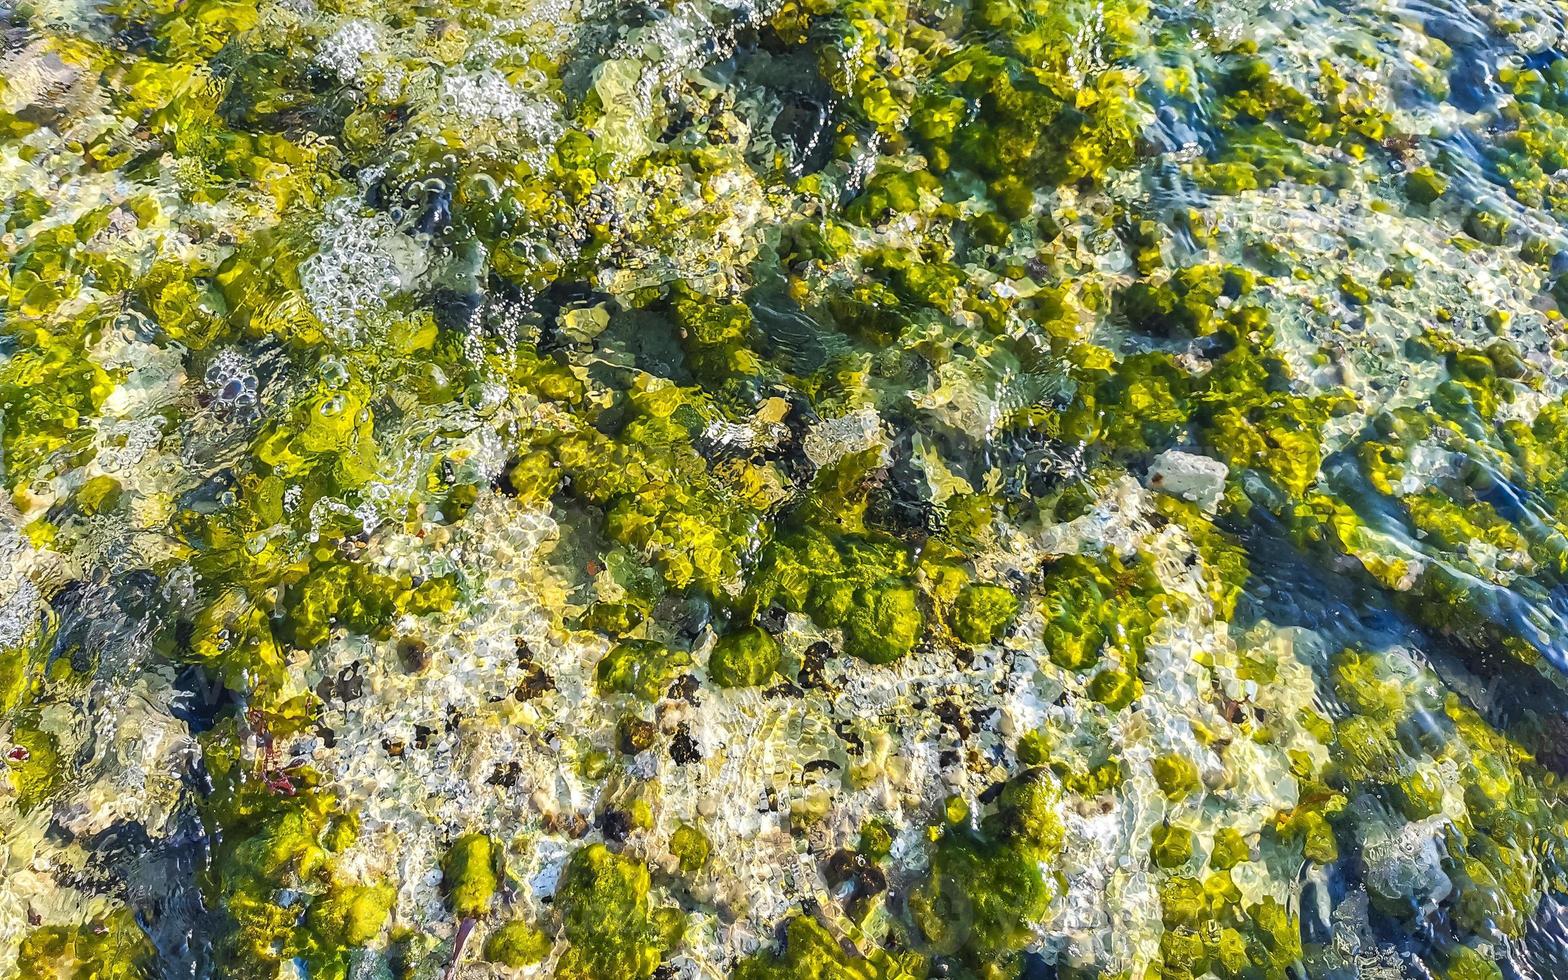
(819, 488)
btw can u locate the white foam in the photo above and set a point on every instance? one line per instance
(344, 52)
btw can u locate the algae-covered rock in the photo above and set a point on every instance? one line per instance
(1424, 185)
(745, 658)
(608, 917)
(810, 952)
(1176, 775)
(883, 623)
(1118, 388)
(468, 875)
(640, 668)
(33, 765)
(349, 915)
(981, 613)
(980, 900)
(516, 944)
(534, 477)
(111, 947)
(1172, 846)
(690, 847)
(1115, 688)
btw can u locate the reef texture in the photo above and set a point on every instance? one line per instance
(831, 489)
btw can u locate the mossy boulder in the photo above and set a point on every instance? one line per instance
(468, 875)
(349, 915)
(883, 623)
(744, 658)
(608, 918)
(639, 668)
(982, 613)
(516, 944)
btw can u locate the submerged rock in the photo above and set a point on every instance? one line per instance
(1194, 478)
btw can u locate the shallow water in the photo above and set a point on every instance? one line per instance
(819, 488)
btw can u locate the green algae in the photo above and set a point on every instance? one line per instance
(468, 874)
(642, 668)
(33, 766)
(861, 585)
(1172, 847)
(690, 847)
(112, 947)
(609, 919)
(982, 612)
(345, 918)
(883, 622)
(810, 951)
(516, 944)
(1087, 608)
(744, 659)
(598, 331)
